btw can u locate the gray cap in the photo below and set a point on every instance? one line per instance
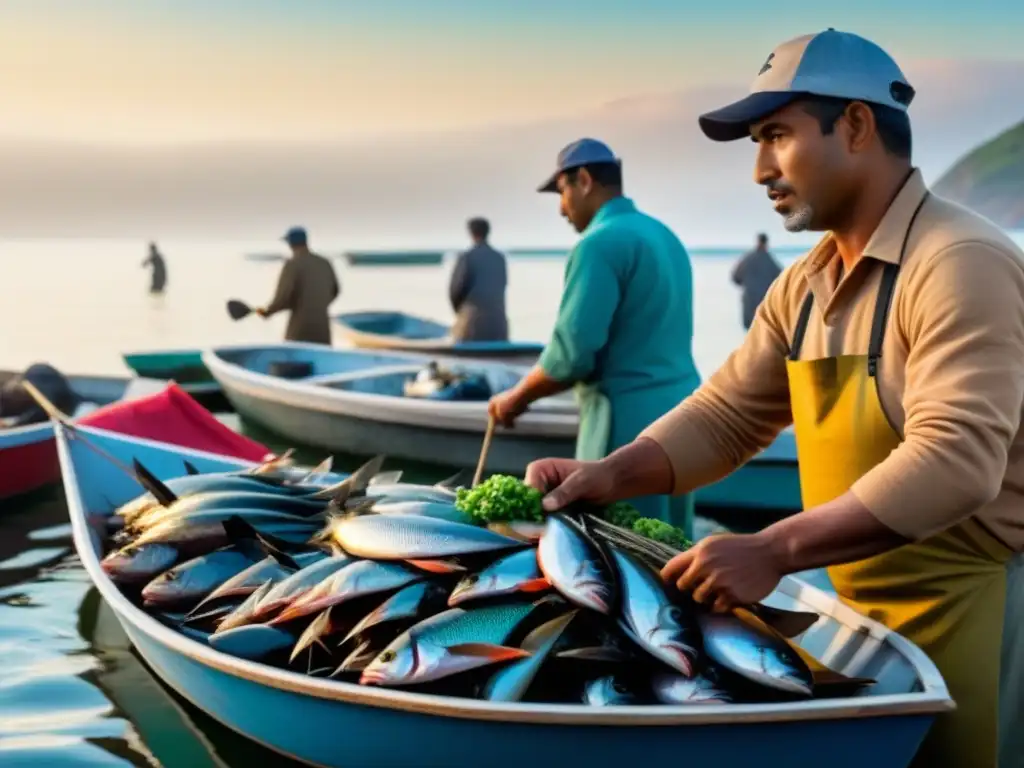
(830, 63)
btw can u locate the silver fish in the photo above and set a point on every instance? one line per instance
(411, 537)
(574, 566)
(362, 578)
(138, 563)
(410, 602)
(299, 583)
(453, 641)
(609, 691)
(511, 682)
(268, 569)
(321, 627)
(192, 580)
(649, 618)
(255, 641)
(244, 613)
(673, 688)
(297, 506)
(518, 572)
(759, 655)
(208, 527)
(442, 510)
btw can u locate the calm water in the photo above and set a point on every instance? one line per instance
(71, 691)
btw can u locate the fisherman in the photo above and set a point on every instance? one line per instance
(754, 272)
(306, 288)
(623, 336)
(896, 349)
(477, 289)
(158, 275)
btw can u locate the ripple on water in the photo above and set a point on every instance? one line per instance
(65, 751)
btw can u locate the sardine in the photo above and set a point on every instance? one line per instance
(255, 641)
(512, 682)
(573, 564)
(650, 619)
(413, 601)
(192, 580)
(244, 613)
(298, 506)
(442, 510)
(207, 528)
(412, 537)
(610, 691)
(298, 584)
(673, 688)
(138, 563)
(453, 641)
(518, 572)
(269, 569)
(364, 577)
(757, 654)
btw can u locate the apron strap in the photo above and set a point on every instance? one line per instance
(801, 327)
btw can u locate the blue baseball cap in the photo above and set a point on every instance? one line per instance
(295, 236)
(830, 63)
(582, 152)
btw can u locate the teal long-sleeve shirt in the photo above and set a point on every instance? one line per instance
(625, 322)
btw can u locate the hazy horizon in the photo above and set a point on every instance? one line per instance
(389, 124)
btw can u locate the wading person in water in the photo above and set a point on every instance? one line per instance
(477, 289)
(623, 336)
(754, 273)
(306, 288)
(896, 349)
(158, 275)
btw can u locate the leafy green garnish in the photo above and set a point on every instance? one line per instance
(507, 499)
(501, 499)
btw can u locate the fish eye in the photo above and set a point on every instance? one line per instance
(387, 656)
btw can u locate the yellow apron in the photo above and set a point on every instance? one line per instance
(946, 594)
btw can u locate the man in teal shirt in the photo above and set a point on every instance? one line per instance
(623, 337)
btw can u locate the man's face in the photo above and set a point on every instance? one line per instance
(807, 173)
(575, 204)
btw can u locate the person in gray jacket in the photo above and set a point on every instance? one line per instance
(754, 273)
(477, 289)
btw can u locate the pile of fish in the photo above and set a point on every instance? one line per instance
(377, 582)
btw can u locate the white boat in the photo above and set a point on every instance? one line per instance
(353, 401)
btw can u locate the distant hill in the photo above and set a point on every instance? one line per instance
(990, 179)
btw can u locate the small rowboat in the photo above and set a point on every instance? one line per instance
(401, 332)
(330, 723)
(143, 407)
(184, 366)
(392, 258)
(352, 401)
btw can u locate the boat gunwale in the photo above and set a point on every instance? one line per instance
(933, 699)
(471, 417)
(439, 343)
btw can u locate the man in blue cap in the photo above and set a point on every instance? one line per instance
(306, 288)
(895, 348)
(623, 336)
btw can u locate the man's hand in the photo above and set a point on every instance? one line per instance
(506, 407)
(726, 570)
(567, 480)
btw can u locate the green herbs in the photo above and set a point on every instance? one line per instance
(500, 499)
(625, 516)
(507, 499)
(660, 531)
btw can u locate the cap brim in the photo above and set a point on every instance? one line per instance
(733, 122)
(551, 185)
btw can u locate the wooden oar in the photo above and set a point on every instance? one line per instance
(483, 451)
(238, 309)
(56, 414)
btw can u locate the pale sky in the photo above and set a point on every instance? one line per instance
(169, 71)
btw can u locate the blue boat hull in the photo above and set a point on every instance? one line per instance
(343, 735)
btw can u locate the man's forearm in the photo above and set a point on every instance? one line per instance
(840, 531)
(640, 468)
(537, 384)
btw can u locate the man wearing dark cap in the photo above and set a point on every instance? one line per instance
(477, 289)
(306, 288)
(623, 336)
(896, 350)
